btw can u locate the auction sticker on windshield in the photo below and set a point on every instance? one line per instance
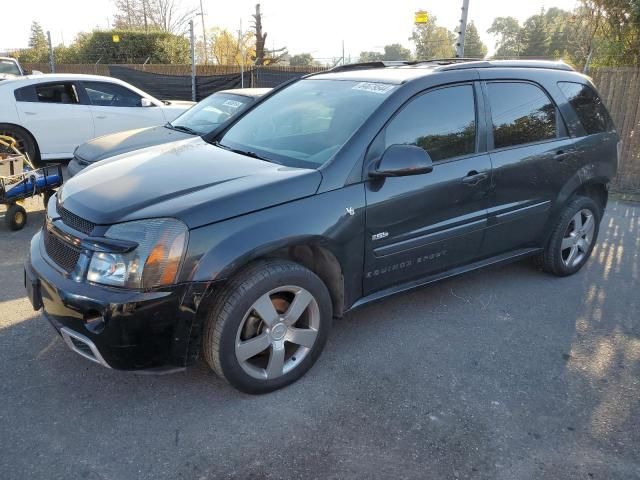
(381, 88)
(232, 103)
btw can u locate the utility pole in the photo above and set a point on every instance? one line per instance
(204, 36)
(241, 47)
(193, 61)
(52, 65)
(463, 29)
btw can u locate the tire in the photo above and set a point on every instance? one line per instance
(26, 142)
(233, 322)
(565, 239)
(15, 217)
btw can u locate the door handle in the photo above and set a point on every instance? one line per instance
(561, 155)
(474, 178)
(101, 116)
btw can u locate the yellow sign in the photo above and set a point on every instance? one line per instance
(115, 38)
(421, 17)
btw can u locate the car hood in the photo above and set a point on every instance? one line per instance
(191, 180)
(127, 141)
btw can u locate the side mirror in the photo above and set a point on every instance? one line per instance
(36, 72)
(145, 102)
(402, 160)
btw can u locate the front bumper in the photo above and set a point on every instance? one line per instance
(121, 329)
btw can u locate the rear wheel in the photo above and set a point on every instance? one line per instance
(25, 142)
(573, 238)
(268, 326)
(15, 217)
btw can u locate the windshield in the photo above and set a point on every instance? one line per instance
(211, 112)
(9, 66)
(305, 124)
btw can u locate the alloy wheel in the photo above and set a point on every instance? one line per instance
(277, 332)
(578, 238)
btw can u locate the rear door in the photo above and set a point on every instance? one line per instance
(532, 157)
(422, 224)
(54, 114)
(116, 108)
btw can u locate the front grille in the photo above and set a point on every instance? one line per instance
(75, 222)
(63, 254)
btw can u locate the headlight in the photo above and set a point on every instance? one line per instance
(154, 262)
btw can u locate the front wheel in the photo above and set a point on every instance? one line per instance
(267, 326)
(573, 238)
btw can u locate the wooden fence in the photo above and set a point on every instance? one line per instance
(620, 90)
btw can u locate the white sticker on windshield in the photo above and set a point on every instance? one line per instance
(381, 88)
(232, 103)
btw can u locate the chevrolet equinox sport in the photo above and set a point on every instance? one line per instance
(333, 191)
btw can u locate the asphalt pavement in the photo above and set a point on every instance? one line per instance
(507, 373)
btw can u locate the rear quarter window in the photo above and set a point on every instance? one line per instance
(588, 106)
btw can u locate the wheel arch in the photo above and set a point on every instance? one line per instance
(28, 132)
(311, 252)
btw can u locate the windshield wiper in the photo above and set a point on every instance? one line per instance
(246, 153)
(181, 128)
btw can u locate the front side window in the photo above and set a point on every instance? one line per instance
(442, 122)
(111, 95)
(522, 113)
(211, 112)
(56, 93)
(588, 106)
(306, 123)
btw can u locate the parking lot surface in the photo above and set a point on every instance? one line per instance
(507, 373)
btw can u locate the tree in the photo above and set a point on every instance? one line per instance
(301, 60)
(536, 36)
(370, 57)
(508, 33)
(227, 49)
(165, 15)
(262, 56)
(396, 51)
(134, 47)
(473, 46)
(37, 38)
(432, 41)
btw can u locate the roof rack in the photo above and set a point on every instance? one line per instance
(454, 64)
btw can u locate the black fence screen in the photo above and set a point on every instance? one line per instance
(178, 87)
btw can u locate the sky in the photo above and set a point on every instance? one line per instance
(317, 27)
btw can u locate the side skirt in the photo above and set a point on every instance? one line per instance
(406, 287)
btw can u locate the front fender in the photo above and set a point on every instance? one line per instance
(334, 220)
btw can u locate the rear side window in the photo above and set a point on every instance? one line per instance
(111, 95)
(521, 113)
(588, 106)
(442, 122)
(56, 93)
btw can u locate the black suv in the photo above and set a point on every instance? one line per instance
(333, 191)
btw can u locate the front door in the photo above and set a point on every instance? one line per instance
(423, 224)
(55, 116)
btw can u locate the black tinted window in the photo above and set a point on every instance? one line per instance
(587, 104)
(56, 93)
(521, 113)
(111, 95)
(443, 122)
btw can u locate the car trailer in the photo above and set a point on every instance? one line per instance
(19, 180)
